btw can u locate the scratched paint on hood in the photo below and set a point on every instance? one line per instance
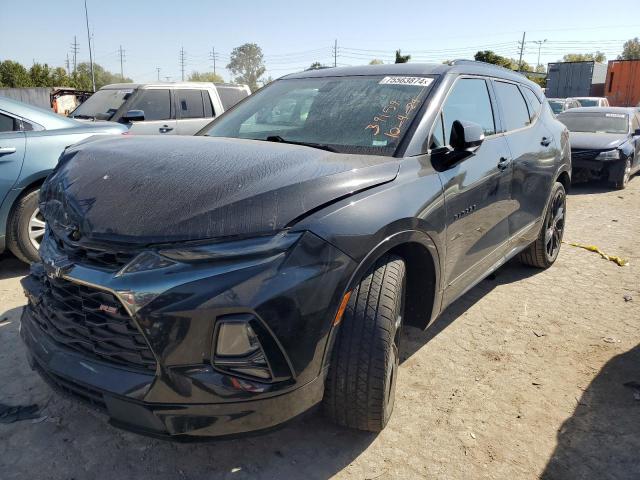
(144, 190)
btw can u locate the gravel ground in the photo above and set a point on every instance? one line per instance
(521, 378)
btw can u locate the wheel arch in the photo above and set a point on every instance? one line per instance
(422, 260)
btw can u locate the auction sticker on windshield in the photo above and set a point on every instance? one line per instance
(412, 81)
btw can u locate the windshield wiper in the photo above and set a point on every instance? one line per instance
(321, 146)
(87, 117)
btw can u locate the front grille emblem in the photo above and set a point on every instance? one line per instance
(108, 309)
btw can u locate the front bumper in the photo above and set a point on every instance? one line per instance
(295, 294)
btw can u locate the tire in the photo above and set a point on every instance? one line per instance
(360, 386)
(18, 228)
(621, 174)
(542, 253)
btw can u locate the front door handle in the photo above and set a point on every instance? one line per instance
(545, 142)
(503, 163)
(7, 150)
(165, 129)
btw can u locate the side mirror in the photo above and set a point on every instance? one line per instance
(637, 132)
(134, 116)
(466, 136)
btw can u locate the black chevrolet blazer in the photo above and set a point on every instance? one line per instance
(225, 283)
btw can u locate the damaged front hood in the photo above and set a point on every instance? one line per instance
(145, 190)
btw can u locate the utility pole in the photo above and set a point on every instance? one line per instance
(335, 53)
(158, 70)
(539, 42)
(213, 57)
(167, 79)
(524, 35)
(93, 77)
(182, 62)
(68, 67)
(75, 48)
(121, 52)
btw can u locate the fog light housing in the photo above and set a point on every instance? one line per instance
(237, 349)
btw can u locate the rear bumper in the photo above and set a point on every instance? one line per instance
(111, 390)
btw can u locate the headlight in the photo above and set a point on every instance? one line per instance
(609, 155)
(248, 247)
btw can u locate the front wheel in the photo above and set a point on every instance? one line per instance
(26, 228)
(543, 252)
(360, 387)
(620, 176)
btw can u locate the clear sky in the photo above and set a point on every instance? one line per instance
(294, 34)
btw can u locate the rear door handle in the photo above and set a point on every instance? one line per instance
(165, 129)
(7, 150)
(503, 163)
(545, 142)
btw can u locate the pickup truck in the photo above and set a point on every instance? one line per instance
(161, 108)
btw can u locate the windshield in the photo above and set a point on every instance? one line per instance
(102, 104)
(358, 114)
(556, 106)
(588, 102)
(596, 122)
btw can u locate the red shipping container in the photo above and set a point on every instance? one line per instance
(623, 83)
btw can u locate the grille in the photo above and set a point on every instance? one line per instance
(104, 259)
(87, 395)
(71, 316)
(585, 154)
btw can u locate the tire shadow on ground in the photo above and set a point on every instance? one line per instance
(11, 267)
(414, 339)
(602, 438)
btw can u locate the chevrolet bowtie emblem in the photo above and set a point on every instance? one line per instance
(57, 267)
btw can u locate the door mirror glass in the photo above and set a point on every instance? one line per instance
(466, 136)
(134, 116)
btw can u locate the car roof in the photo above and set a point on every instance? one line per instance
(46, 118)
(627, 110)
(459, 67)
(133, 86)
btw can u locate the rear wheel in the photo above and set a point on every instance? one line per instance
(360, 387)
(543, 252)
(26, 228)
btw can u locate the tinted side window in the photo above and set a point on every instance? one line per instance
(513, 106)
(533, 102)
(7, 124)
(190, 103)
(156, 104)
(469, 100)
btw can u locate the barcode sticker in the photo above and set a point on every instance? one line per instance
(411, 81)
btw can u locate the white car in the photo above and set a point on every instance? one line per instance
(179, 108)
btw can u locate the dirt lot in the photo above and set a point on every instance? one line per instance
(521, 378)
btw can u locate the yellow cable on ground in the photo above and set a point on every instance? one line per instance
(592, 248)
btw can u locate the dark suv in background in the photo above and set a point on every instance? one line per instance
(225, 283)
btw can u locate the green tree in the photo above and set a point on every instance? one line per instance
(315, 66)
(247, 64)
(585, 57)
(40, 75)
(81, 78)
(59, 78)
(14, 75)
(488, 56)
(205, 77)
(630, 50)
(376, 61)
(402, 58)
